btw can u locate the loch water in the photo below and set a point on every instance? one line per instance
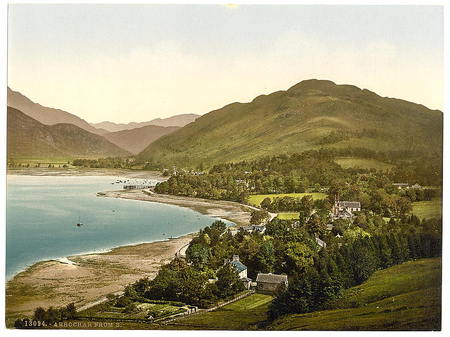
(42, 213)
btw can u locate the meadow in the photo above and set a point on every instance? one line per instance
(364, 163)
(288, 216)
(428, 209)
(244, 314)
(403, 297)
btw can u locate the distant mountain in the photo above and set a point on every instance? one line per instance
(177, 120)
(28, 138)
(135, 140)
(46, 115)
(312, 114)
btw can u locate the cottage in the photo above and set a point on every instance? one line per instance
(270, 283)
(238, 265)
(345, 209)
(416, 187)
(254, 228)
(241, 269)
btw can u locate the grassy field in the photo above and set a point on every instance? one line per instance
(288, 216)
(403, 297)
(362, 163)
(256, 199)
(428, 209)
(244, 314)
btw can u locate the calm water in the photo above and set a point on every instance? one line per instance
(42, 213)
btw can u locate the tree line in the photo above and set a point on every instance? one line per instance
(350, 265)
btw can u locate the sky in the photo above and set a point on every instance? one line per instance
(126, 63)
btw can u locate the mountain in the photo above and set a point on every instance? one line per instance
(177, 120)
(312, 114)
(136, 140)
(46, 115)
(28, 138)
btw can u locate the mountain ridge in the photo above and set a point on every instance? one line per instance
(137, 139)
(176, 120)
(29, 138)
(311, 114)
(46, 115)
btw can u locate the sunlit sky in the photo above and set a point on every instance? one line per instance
(127, 63)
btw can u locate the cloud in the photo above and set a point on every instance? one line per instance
(166, 79)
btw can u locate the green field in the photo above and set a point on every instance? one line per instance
(244, 314)
(255, 200)
(288, 216)
(403, 297)
(362, 163)
(428, 209)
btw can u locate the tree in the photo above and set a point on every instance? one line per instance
(266, 203)
(259, 216)
(198, 255)
(296, 299)
(39, 314)
(298, 257)
(315, 226)
(123, 301)
(363, 260)
(228, 282)
(52, 315)
(266, 257)
(191, 286)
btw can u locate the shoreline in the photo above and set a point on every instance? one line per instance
(68, 259)
(89, 278)
(93, 275)
(237, 213)
(84, 171)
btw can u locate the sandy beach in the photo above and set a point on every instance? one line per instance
(88, 278)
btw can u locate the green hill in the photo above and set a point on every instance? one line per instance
(28, 138)
(403, 297)
(310, 115)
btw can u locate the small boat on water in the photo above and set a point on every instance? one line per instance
(79, 223)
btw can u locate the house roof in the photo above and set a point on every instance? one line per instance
(238, 265)
(271, 278)
(350, 204)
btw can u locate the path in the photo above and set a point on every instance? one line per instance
(178, 316)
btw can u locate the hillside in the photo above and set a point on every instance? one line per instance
(177, 120)
(403, 297)
(28, 138)
(136, 140)
(46, 115)
(310, 115)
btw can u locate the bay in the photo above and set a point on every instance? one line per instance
(42, 213)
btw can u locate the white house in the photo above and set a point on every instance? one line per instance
(238, 265)
(345, 209)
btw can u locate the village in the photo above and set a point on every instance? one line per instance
(294, 233)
